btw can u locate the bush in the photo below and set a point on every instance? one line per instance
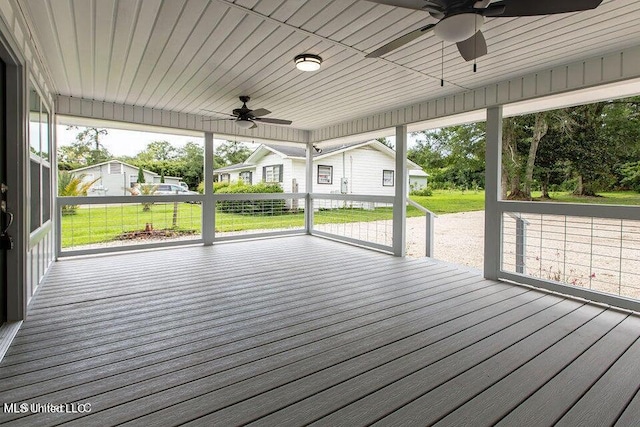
(216, 186)
(631, 175)
(250, 207)
(422, 192)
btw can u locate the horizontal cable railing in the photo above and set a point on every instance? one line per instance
(258, 214)
(595, 252)
(101, 224)
(360, 219)
(96, 224)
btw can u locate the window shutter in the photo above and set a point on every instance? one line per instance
(280, 173)
(250, 177)
(264, 174)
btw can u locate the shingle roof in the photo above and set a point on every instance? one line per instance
(232, 167)
(301, 152)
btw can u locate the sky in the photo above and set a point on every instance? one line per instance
(127, 142)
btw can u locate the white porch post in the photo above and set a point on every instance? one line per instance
(400, 200)
(308, 185)
(492, 220)
(208, 205)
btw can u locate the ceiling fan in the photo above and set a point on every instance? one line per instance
(246, 118)
(460, 21)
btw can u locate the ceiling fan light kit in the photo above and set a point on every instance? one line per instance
(307, 62)
(457, 28)
(244, 124)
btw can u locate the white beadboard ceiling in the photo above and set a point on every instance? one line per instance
(190, 55)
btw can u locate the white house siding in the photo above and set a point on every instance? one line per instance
(274, 159)
(110, 184)
(362, 168)
(115, 184)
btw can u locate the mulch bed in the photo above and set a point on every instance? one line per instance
(151, 234)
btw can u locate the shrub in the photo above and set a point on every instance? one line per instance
(422, 192)
(216, 186)
(631, 175)
(72, 185)
(251, 207)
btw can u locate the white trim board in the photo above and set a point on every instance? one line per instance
(8, 332)
(615, 67)
(136, 115)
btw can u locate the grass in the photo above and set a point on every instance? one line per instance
(452, 201)
(607, 198)
(99, 224)
(103, 223)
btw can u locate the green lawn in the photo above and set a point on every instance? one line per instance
(104, 223)
(98, 224)
(609, 198)
(452, 201)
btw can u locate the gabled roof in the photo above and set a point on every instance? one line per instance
(234, 167)
(113, 161)
(287, 151)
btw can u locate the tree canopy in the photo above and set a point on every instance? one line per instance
(583, 149)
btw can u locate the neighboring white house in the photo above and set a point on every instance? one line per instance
(361, 168)
(116, 176)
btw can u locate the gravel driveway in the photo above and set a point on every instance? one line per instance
(459, 238)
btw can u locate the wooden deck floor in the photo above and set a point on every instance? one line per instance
(303, 330)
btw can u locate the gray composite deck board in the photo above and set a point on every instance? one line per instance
(305, 330)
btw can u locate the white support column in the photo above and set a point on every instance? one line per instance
(209, 204)
(308, 185)
(492, 220)
(400, 200)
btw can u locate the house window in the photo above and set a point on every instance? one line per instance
(246, 177)
(387, 178)
(325, 174)
(272, 173)
(115, 168)
(225, 177)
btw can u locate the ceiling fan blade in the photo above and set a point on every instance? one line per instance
(473, 47)
(427, 5)
(400, 41)
(260, 112)
(274, 121)
(514, 8)
(254, 126)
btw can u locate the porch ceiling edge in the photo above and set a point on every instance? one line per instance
(114, 112)
(614, 67)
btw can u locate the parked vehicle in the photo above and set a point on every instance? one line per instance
(169, 189)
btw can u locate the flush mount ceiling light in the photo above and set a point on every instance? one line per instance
(307, 62)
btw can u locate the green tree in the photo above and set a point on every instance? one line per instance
(85, 150)
(386, 141)
(141, 179)
(158, 151)
(453, 156)
(191, 158)
(232, 152)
